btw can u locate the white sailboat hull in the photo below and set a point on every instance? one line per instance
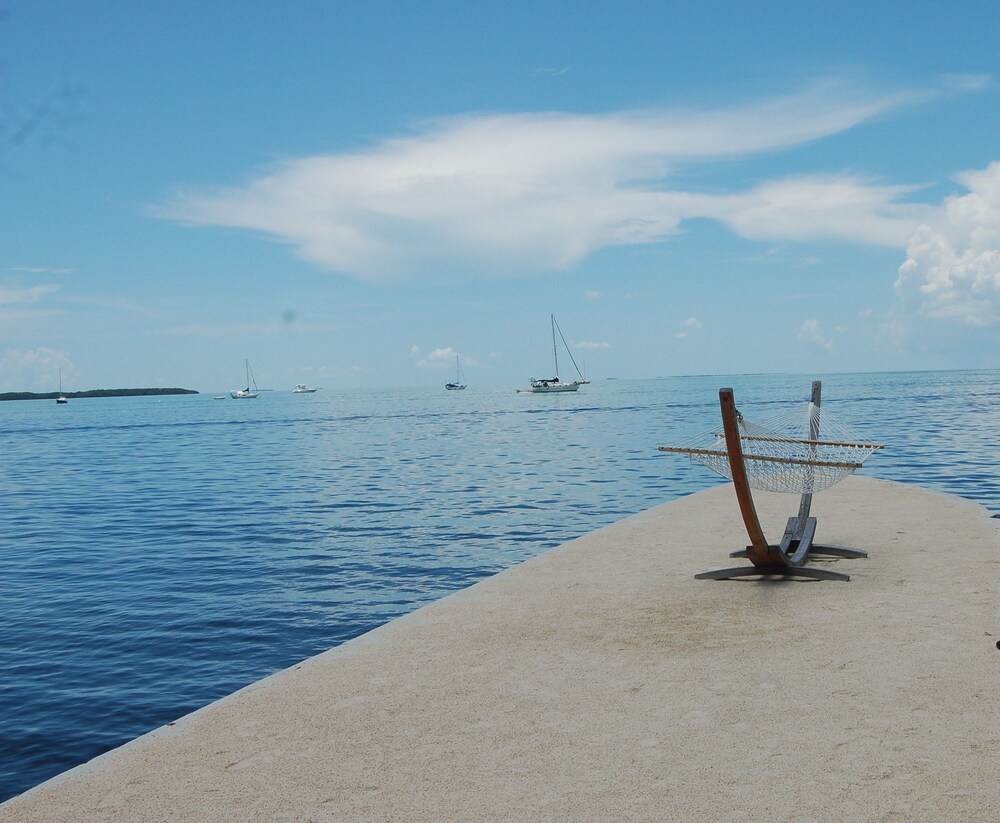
(545, 388)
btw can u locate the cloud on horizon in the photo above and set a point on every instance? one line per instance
(811, 332)
(34, 370)
(439, 358)
(952, 268)
(509, 193)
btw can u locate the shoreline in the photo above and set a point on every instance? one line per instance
(601, 681)
(27, 395)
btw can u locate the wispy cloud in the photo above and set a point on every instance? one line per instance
(968, 82)
(214, 330)
(39, 270)
(817, 208)
(33, 370)
(811, 332)
(689, 325)
(119, 304)
(439, 358)
(14, 295)
(591, 345)
(513, 192)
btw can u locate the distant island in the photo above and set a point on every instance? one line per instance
(52, 395)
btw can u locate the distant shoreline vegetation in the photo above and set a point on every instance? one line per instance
(52, 395)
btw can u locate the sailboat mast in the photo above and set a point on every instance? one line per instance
(555, 351)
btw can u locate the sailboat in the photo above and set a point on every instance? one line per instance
(554, 384)
(459, 377)
(62, 397)
(246, 394)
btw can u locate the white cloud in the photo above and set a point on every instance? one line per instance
(818, 208)
(593, 346)
(811, 332)
(439, 358)
(692, 324)
(952, 267)
(515, 192)
(968, 82)
(14, 295)
(40, 270)
(592, 295)
(35, 370)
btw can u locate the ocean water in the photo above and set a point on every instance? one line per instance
(159, 553)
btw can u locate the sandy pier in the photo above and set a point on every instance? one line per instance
(602, 682)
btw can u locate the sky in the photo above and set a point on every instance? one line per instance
(353, 194)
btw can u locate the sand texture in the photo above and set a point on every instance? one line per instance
(602, 682)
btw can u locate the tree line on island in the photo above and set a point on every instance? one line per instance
(27, 395)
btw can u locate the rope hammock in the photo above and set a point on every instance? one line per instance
(784, 453)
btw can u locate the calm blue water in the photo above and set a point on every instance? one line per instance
(159, 553)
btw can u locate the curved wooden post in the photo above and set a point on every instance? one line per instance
(758, 551)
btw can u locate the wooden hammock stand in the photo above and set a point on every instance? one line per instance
(787, 558)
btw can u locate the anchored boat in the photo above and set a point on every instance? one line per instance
(62, 397)
(459, 383)
(247, 393)
(553, 384)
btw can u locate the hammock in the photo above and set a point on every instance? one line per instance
(784, 453)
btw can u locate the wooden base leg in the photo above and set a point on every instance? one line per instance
(808, 572)
(838, 551)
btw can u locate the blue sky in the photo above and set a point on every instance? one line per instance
(350, 194)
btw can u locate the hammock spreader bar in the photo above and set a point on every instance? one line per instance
(793, 461)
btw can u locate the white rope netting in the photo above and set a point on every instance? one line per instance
(791, 452)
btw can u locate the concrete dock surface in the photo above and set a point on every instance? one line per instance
(602, 682)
